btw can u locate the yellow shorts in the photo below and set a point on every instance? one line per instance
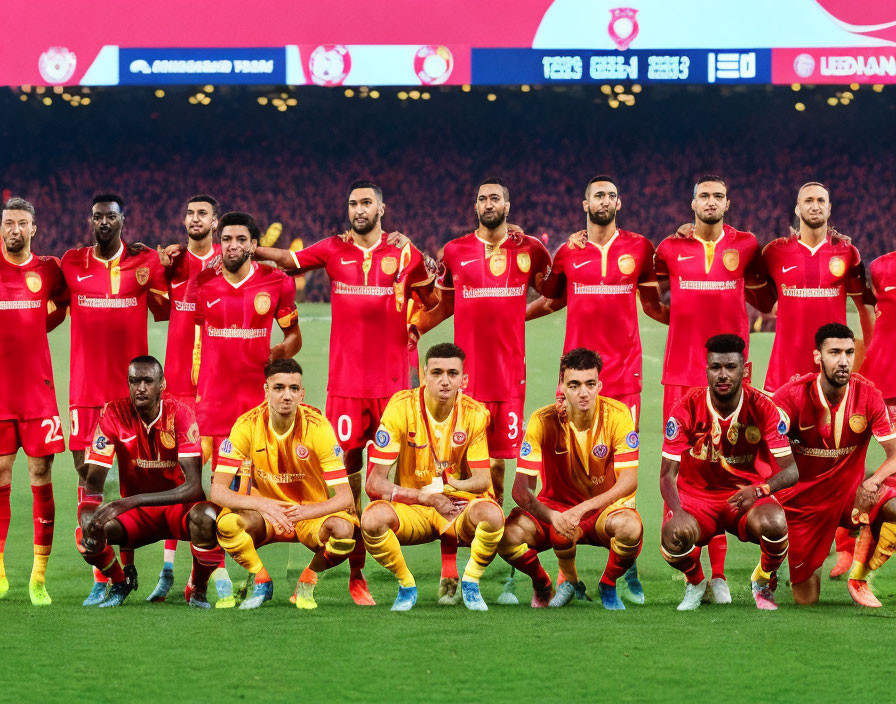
(423, 524)
(306, 532)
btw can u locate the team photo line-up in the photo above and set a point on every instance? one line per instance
(783, 468)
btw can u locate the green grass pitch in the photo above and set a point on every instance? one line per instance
(168, 652)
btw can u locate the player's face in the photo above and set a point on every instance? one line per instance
(443, 377)
(200, 220)
(237, 247)
(725, 374)
(364, 210)
(145, 383)
(602, 203)
(107, 221)
(813, 206)
(581, 387)
(491, 206)
(836, 358)
(18, 228)
(711, 202)
(284, 392)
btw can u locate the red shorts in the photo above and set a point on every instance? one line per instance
(671, 395)
(715, 515)
(39, 437)
(355, 420)
(812, 532)
(593, 527)
(150, 524)
(505, 429)
(83, 421)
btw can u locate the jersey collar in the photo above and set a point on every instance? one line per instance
(489, 244)
(368, 250)
(715, 413)
(604, 247)
(27, 261)
(248, 276)
(106, 262)
(155, 420)
(813, 250)
(208, 256)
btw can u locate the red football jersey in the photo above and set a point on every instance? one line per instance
(708, 282)
(600, 286)
(490, 284)
(26, 385)
(108, 309)
(147, 454)
(369, 289)
(718, 455)
(829, 443)
(236, 322)
(880, 358)
(182, 326)
(812, 288)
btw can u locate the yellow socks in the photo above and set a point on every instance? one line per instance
(39, 569)
(886, 544)
(238, 543)
(567, 562)
(386, 550)
(483, 548)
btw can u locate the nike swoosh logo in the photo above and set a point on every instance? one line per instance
(179, 283)
(581, 264)
(808, 427)
(211, 303)
(81, 278)
(348, 261)
(133, 437)
(888, 288)
(788, 268)
(469, 261)
(681, 258)
(261, 449)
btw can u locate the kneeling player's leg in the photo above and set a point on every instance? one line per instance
(625, 531)
(378, 525)
(238, 533)
(766, 524)
(207, 554)
(337, 536)
(679, 546)
(97, 550)
(521, 531)
(874, 547)
(488, 520)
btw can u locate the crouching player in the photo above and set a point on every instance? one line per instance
(157, 445)
(709, 477)
(437, 438)
(588, 464)
(833, 414)
(288, 461)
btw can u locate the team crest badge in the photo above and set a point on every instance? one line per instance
(837, 266)
(389, 265)
(302, 452)
(623, 27)
(632, 440)
(382, 438)
(525, 449)
(497, 263)
(262, 302)
(733, 433)
(226, 447)
(57, 64)
(523, 262)
(672, 429)
(600, 451)
(857, 423)
(730, 258)
(142, 275)
(329, 64)
(626, 264)
(100, 442)
(752, 434)
(167, 439)
(459, 437)
(32, 281)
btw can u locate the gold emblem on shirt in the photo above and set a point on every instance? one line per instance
(626, 264)
(731, 259)
(837, 267)
(523, 262)
(32, 281)
(262, 302)
(752, 434)
(389, 265)
(167, 439)
(497, 263)
(733, 432)
(857, 422)
(142, 275)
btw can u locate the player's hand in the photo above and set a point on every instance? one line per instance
(563, 525)
(168, 254)
(104, 514)
(578, 240)
(413, 335)
(296, 512)
(442, 504)
(866, 497)
(743, 499)
(432, 266)
(683, 530)
(684, 230)
(397, 239)
(274, 512)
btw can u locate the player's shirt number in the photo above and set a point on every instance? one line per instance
(73, 416)
(54, 428)
(344, 428)
(514, 428)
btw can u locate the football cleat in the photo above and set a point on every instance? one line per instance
(166, 581)
(223, 586)
(542, 597)
(448, 591)
(634, 590)
(472, 598)
(861, 594)
(565, 592)
(609, 599)
(196, 597)
(130, 571)
(359, 592)
(304, 596)
(261, 592)
(406, 598)
(841, 567)
(763, 595)
(4, 587)
(693, 593)
(97, 594)
(718, 586)
(38, 592)
(118, 592)
(507, 597)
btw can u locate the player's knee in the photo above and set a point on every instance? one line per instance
(627, 527)
(770, 521)
(201, 522)
(888, 511)
(114, 532)
(673, 543)
(339, 528)
(40, 469)
(376, 517)
(229, 525)
(488, 514)
(807, 592)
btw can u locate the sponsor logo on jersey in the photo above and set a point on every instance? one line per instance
(837, 266)
(459, 437)
(32, 281)
(752, 434)
(600, 451)
(142, 275)
(632, 440)
(731, 258)
(382, 438)
(262, 302)
(672, 429)
(858, 423)
(681, 258)
(302, 452)
(524, 262)
(525, 449)
(389, 265)
(626, 264)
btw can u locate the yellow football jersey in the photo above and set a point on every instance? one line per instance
(459, 441)
(297, 466)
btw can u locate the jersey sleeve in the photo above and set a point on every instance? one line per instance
(855, 275)
(314, 257)
(774, 428)
(445, 279)
(647, 275)
(879, 418)
(387, 441)
(677, 436)
(755, 273)
(530, 461)
(158, 283)
(541, 264)
(325, 446)
(287, 314)
(187, 433)
(477, 451)
(235, 449)
(625, 442)
(660, 264)
(415, 272)
(102, 449)
(554, 285)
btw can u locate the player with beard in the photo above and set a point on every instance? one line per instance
(711, 271)
(813, 271)
(112, 284)
(33, 303)
(183, 263)
(833, 414)
(710, 480)
(374, 278)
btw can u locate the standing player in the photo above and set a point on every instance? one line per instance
(156, 441)
(111, 285)
(435, 437)
(711, 270)
(32, 302)
(879, 359)
(588, 466)
(288, 459)
(833, 414)
(372, 279)
(713, 436)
